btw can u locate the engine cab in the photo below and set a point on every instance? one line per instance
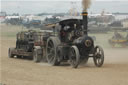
(70, 30)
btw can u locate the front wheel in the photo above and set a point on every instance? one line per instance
(74, 57)
(98, 56)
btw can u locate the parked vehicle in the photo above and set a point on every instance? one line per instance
(33, 23)
(118, 39)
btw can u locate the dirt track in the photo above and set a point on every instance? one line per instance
(25, 72)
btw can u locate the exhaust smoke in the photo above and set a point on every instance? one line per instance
(86, 4)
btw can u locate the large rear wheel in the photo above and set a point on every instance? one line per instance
(74, 57)
(98, 56)
(51, 50)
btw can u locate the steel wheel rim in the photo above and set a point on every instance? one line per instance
(74, 57)
(99, 56)
(51, 52)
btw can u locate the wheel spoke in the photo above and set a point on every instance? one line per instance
(98, 51)
(99, 56)
(49, 47)
(99, 61)
(73, 57)
(51, 52)
(51, 44)
(51, 58)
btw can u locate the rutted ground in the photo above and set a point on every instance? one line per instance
(26, 72)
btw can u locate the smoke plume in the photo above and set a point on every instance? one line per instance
(86, 4)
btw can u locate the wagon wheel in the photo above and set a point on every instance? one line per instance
(51, 49)
(36, 56)
(98, 56)
(10, 55)
(74, 57)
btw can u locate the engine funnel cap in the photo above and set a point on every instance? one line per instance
(84, 13)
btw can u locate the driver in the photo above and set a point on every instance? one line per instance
(62, 34)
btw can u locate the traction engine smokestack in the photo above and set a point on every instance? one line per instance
(85, 22)
(86, 4)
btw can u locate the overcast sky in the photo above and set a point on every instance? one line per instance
(62, 0)
(40, 6)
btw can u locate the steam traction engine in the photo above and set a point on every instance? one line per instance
(73, 44)
(68, 42)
